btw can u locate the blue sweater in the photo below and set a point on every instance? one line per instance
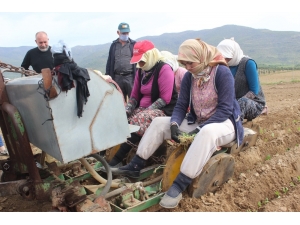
(251, 75)
(227, 107)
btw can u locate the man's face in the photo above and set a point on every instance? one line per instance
(42, 42)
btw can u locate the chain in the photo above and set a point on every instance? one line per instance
(18, 69)
(131, 144)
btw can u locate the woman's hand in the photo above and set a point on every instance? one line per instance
(175, 133)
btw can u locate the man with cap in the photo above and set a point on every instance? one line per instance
(118, 63)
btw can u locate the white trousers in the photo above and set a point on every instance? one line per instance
(203, 146)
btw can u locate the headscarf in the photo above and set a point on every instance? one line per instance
(62, 47)
(195, 50)
(171, 60)
(151, 57)
(231, 50)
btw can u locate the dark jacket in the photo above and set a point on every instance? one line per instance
(227, 108)
(111, 59)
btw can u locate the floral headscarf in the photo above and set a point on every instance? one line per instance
(195, 50)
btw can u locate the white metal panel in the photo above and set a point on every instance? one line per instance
(103, 123)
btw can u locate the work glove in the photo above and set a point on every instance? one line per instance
(194, 132)
(130, 106)
(158, 104)
(175, 133)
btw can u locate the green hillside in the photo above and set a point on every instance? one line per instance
(268, 48)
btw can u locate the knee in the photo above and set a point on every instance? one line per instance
(207, 132)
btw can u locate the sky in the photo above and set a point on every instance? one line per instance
(81, 23)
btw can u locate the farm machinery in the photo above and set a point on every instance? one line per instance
(56, 156)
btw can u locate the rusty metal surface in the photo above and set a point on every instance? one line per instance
(21, 70)
(216, 172)
(23, 151)
(10, 188)
(99, 205)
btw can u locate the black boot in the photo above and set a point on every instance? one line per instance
(174, 194)
(124, 150)
(132, 169)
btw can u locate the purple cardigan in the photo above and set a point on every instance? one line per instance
(227, 108)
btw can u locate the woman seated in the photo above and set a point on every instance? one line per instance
(214, 117)
(154, 94)
(248, 90)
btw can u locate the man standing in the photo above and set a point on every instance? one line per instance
(40, 57)
(118, 63)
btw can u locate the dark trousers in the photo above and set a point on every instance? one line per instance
(125, 83)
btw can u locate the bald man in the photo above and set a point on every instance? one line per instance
(40, 57)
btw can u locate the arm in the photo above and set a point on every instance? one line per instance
(107, 71)
(26, 61)
(252, 76)
(182, 103)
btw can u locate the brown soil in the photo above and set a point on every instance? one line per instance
(266, 176)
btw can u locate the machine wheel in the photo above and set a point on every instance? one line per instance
(172, 167)
(216, 172)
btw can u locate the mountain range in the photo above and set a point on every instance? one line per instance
(268, 48)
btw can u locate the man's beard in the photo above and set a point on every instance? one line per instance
(44, 49)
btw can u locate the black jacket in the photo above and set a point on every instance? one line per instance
(111, 59)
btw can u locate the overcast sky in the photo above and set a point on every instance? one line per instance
(89, 23)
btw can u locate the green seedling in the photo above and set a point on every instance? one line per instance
(298, 178)
(261, 131)
(268, 157)
(259, 204)
(288, 149)
(292, 184)
(266, 201)
(285, 190)
(272, 134)
(298, 128)
(277, 193)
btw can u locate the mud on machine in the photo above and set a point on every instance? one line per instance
(36, 113)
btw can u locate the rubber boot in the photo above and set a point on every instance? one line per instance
(124, 150)
(173, 196)
(132, 169)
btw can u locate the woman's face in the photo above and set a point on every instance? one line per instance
(141, 64)
(190, 65)
(227, 59)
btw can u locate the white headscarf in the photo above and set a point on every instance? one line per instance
(171, 60)
(231, 50)
(62, 47)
